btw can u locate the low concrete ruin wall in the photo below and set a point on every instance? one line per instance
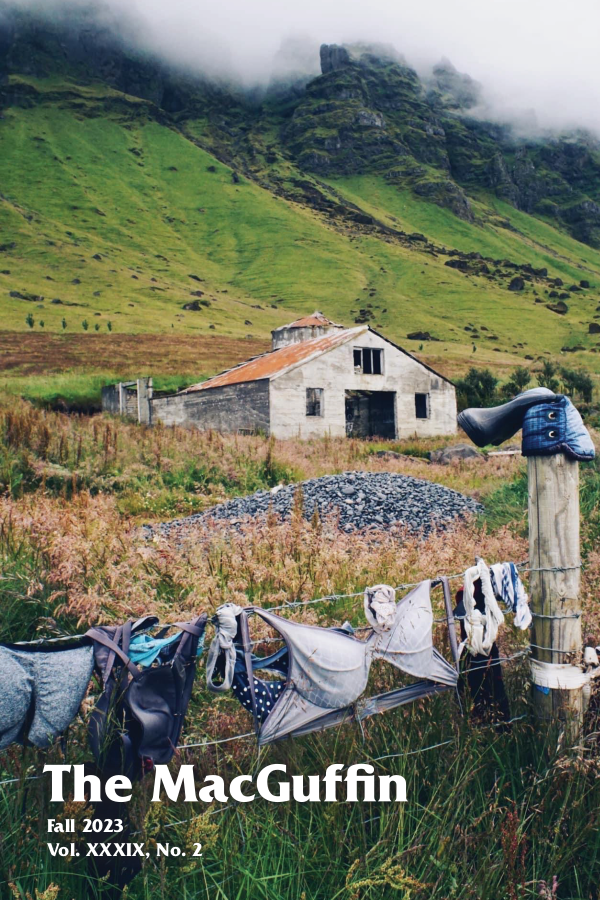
(233, 407)
(110, 399)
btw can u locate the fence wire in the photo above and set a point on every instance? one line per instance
(522, 567)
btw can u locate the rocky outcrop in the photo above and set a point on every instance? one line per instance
(455, 453)
(458, 91)
(447, 194)
(583, 219)
(333, 58)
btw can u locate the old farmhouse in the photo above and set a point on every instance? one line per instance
(319, 378)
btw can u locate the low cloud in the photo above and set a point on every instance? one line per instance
(538, 59)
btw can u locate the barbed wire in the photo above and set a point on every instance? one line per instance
(329, 598)
(522, 566)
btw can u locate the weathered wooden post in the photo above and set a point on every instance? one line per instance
(554, 558)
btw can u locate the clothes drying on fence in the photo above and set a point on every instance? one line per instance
(380, 607)
(328, 669)
(42, 689)
(145, 650)
(508, 587)
(266, 692)
(480, 625)
(483, 671)
(139, 716)
(222, 648)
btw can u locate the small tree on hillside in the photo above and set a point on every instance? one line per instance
(577, 383)
(547, 377)
(477, 388)
(64, 324)
(109, 326)
(517, 383)
(85, 324)
(30, 320)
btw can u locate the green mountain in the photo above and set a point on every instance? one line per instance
(136, 199)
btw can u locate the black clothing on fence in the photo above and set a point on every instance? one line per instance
(139, 716)
(483, 673)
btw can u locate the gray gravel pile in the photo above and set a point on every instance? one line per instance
(360, 499)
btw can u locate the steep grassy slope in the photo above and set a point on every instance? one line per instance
(112, 212)
(152, 206)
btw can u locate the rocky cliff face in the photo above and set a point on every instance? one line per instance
(372, 113)
(367, 112)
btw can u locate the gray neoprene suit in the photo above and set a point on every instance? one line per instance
(41, 692)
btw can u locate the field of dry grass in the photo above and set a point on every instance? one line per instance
(75, 490)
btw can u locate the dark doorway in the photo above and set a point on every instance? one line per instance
(371, 414)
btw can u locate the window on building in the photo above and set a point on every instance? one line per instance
(314, 401)
(422, 406)
(368, 360)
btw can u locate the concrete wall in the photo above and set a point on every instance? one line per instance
(234, 407)
(129, 398)
(283, 336)
(110, 399)
(334, 372)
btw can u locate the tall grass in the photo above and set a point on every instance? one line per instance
(491, 812)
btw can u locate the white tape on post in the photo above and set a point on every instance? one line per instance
(557, 676)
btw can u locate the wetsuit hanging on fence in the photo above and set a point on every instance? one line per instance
(483, 671)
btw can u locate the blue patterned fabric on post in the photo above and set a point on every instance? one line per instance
(557, 427)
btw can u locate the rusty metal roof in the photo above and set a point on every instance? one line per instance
(316, 319)
(276, 362)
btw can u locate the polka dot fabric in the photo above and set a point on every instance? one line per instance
(267, 693)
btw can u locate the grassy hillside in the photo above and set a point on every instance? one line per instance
(113, 218)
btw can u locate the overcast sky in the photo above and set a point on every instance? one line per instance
(529, 54)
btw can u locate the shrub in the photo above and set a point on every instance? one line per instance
(477, 388)
(547, 377)
(517, 383)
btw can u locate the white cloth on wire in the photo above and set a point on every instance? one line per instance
(380, 607)
(508, 587)
(225, 631)
(481, 627)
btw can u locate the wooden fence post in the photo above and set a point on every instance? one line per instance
(554, 544)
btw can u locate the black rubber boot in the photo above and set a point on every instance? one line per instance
(499, 423)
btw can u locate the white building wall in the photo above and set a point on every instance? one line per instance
(334, 372)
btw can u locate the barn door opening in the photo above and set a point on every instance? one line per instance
(371, 414)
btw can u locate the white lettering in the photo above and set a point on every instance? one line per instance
(298, 788)
(56, 783)
(118, 783)
(262, 784)
(235, 789)
(353, 778)
(215, 790)
(331, 779)
(172, 788)
(384, 787)
(79, 795)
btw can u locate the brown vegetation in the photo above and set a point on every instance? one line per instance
(177, 354)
